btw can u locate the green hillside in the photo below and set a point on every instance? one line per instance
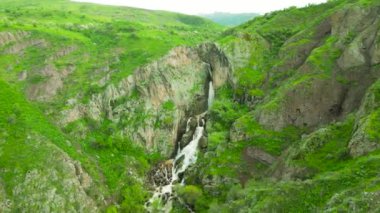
(289, 65)
(96, 103)
(54, 51)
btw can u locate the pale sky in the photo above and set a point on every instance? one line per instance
(209, 6)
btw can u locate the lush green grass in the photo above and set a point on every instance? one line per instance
(105, 42)
(374, 116)
(326, 149)
(337, 181)
(325, 56)
(224, 157)
(102, 37)
(98, 42)
(20, 121)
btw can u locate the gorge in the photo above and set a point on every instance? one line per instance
(117, 109)
(174, 170)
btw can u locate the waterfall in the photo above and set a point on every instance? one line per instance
(189, 153)
(183, 159)
(211, 94)
(188, 156)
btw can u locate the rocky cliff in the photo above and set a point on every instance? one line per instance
(335, 68)
(92, 97)
(94, 106)
(164, 94)
(296, 130)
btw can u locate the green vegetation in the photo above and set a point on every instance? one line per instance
(324, 57)
(315, 171)
(348, 185)
(67, 110)
(100, 37)
(191, 195)
(75, 51)
(326, 149)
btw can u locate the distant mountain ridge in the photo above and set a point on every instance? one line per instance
(230, 19)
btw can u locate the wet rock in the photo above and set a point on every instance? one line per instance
(161, 174)
(193, 123)
(186, 138)
(203, 142)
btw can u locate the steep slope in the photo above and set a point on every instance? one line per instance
(35, 173)
(96, 99)
(297, 129)
(71, 119)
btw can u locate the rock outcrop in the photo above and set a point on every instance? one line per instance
(44, 82)
(327, 92)
(361, 142)
(163, 94)
(52, 83)
(8, 37)
(60, 184)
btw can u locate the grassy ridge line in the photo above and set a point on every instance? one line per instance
(110, 13)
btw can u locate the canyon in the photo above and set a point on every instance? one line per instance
(117, 109)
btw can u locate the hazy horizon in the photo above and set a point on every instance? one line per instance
(198, 7)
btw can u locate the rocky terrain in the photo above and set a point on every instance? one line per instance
(90, 100)
(303, 137)
(169, 91)
(95, 109)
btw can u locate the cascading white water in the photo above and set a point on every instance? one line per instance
(187, 156)
(211, 94)
(188, 153)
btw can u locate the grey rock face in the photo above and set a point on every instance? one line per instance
(181, 78)
(318, 101)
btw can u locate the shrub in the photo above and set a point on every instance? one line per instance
(134, 198)
(190, 194)
(168, 105)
